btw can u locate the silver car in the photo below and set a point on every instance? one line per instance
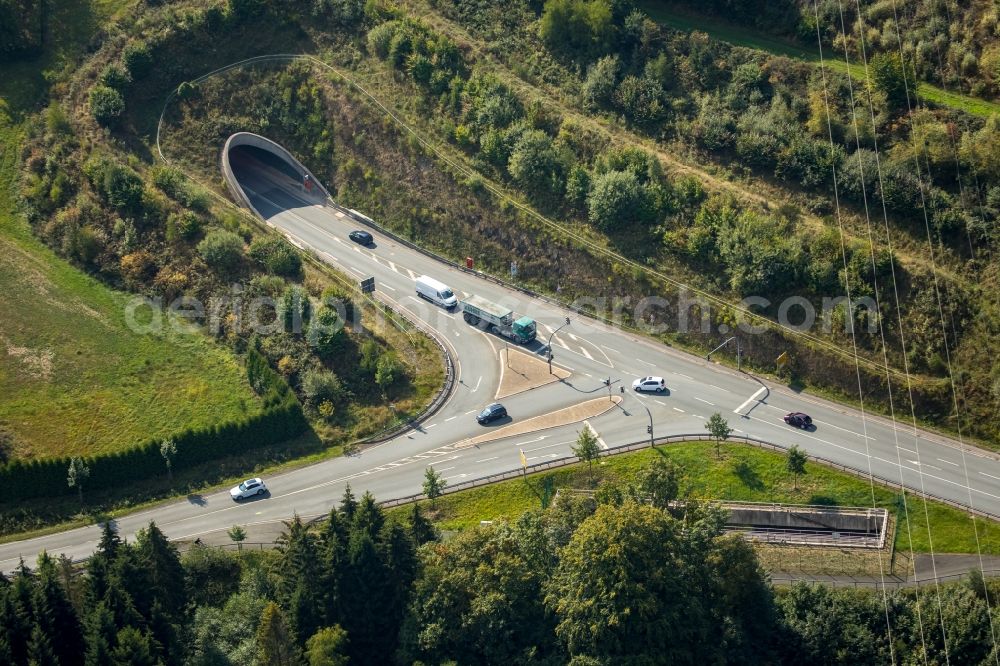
(249, 488)
(650, 384)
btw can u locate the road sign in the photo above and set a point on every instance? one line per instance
(368, 286)
(782, 360)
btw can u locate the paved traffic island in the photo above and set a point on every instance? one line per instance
(573, 414)
(521, 372)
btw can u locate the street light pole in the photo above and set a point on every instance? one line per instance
(548, 343)
(650, 428)
(739, 352)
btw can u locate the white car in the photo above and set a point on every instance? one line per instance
(650, 384)
(248, 488)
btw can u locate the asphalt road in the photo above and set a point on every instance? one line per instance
(591, 350)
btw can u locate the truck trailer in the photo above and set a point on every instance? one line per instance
(487, 315)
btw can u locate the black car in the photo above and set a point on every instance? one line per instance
(361, 237)
(492, 413)
(798, 419)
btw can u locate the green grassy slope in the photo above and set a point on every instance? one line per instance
(761, 478)
(751, 39)
(73, 378)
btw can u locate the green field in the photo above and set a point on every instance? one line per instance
(761, 477)
(73, 378)
(751, 39)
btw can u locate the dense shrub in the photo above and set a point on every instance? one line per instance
(534, 163)
(320, 386)
(138, 59)
(615, 200)
(222, 250)
(114, 76)
(106, 104)
(276, 255)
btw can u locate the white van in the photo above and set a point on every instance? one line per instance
(435, 292)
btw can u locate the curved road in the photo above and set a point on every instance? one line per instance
(592, 351)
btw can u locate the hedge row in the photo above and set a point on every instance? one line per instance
(281, 419)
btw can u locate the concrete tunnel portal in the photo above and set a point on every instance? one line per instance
(265, 178)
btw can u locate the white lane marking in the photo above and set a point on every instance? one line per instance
(704, 401)
(573, 337)
(546, 327)
(682, 375)
(330, 256)
(600, 440)
(718, 388)
(586, 353)
(547, 446)
(478, 382)
(457, 334)
(642, 360)
(660, 402)
(451, 418)
(749, 400)
(611, 349)
(679, 410)
(948, 462)
(358, 250)
(531, 441)
(932, 467)
(566, 367)
(383, 285)
(444, 469)
(393, 267)
(471, 411)
(903, 448)
(991, 476)
(699, 416)
(354, 270)
(488, 459)
(430, 426)
(413, 276)
(561, 343)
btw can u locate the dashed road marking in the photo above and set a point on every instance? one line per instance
(488, 459)
(948, 462)
(704, 401)
(586, 353)
(679, 410)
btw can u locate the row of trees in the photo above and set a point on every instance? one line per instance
(362, 587)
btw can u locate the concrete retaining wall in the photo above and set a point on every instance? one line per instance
(798, 518)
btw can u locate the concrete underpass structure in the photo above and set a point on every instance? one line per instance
(244, 151)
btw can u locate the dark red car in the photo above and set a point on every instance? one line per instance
(798, 419)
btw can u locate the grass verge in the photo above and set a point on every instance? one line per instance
(743, 473)
(74, 379)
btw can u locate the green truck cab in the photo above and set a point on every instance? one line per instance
(478, 311)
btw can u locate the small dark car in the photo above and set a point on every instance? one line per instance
(491, 413)
(361, 237)
(798, 419)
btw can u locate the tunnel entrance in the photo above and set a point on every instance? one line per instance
(266, 178)
(243, 157)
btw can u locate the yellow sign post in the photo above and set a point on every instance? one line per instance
(782, 360)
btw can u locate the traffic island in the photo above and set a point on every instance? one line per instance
(521, 372)
(574, 414)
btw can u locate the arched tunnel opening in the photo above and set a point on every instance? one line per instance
(266, 178)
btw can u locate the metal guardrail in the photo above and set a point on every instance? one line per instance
(890, 582)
